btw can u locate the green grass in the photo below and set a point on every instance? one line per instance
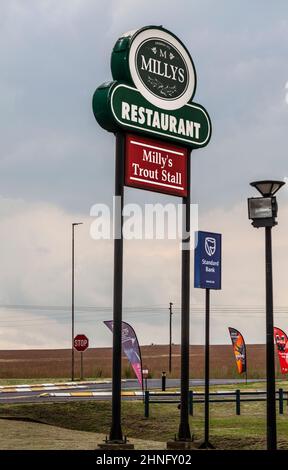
(242, 386)
(228, 431)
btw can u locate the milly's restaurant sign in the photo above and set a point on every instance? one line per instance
(148, 105)
(150, 101)
(153, 85)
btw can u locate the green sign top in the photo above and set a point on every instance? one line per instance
(154, 83)
(158, 64)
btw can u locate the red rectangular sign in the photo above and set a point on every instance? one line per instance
(155, 165)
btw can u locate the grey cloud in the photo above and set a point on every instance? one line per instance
(55, 162)
(54, 56)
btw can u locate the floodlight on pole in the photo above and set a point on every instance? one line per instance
(263, 210)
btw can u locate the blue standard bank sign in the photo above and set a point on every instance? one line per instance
(207, 263)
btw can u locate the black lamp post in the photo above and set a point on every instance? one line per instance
(263, 212)
(72, 332)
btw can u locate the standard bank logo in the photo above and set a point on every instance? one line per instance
(210, 246)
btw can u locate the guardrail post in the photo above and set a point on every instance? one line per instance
(191, 402)
(280, 401)
(146, 404)
(238, 402)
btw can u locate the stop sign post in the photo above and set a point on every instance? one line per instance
(81, 343)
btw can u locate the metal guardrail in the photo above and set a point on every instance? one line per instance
(236, 396)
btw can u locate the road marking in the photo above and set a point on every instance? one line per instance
(50, 386)
(90, 394)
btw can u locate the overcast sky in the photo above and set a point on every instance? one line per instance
(56, 162)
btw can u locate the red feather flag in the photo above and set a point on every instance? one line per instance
(281, 341)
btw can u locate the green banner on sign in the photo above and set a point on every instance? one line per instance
(119, 106)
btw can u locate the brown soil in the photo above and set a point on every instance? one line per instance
(97, 362)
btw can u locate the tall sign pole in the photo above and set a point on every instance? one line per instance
(184, 433)
(207, 275)
(207, 444)
(149, 107)
(170, 337)
(116, 431)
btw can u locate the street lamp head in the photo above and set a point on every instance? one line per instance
(267, 188)
(263, 210)
(77, 223)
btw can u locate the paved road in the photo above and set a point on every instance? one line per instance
(35, 396)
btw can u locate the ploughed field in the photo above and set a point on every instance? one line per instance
(97, 362)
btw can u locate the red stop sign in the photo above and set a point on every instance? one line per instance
(81, 343)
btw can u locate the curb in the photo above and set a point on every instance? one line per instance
(49, 386)
(90, 394)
